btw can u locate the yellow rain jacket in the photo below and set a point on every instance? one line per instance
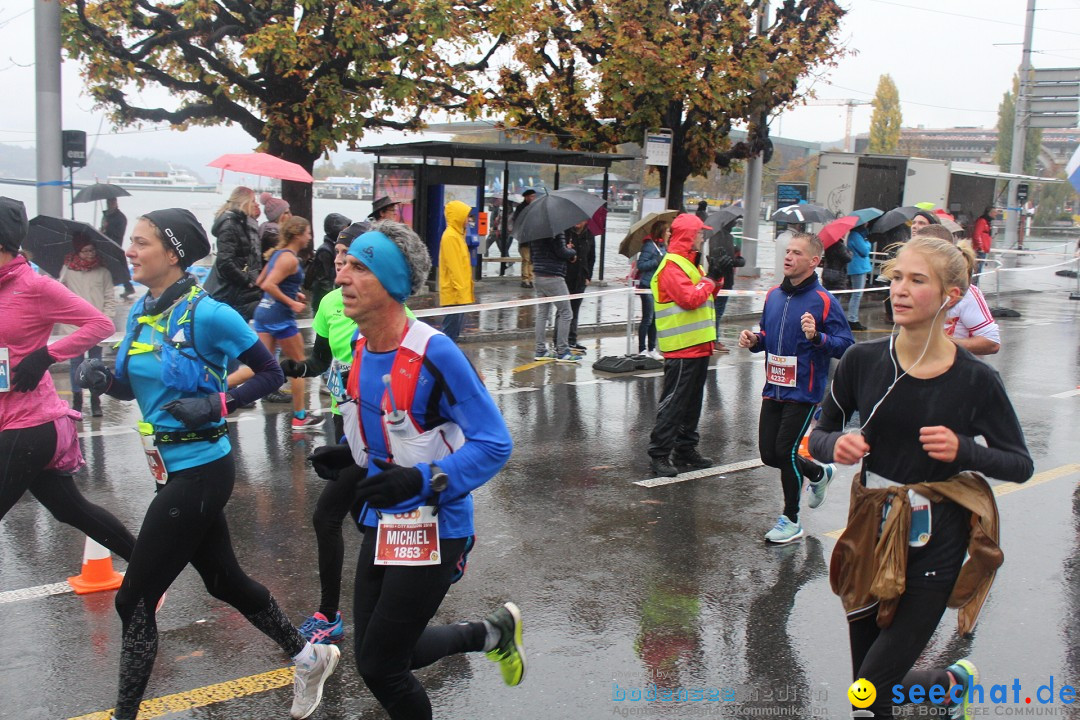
(455, 272)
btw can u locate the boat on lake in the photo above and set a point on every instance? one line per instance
(170, 179)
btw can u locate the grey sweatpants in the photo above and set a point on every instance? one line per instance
(552, 286)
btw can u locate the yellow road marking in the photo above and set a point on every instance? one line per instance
(530, 366)
(1005, 488)
(209, 695)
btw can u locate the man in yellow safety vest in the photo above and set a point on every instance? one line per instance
(686, 334)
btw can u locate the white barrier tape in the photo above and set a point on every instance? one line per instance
(1070, 261)
(522, 302)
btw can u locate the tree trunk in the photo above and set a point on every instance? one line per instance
(298, 194)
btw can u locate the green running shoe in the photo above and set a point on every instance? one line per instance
(966, 675)
(510, 650)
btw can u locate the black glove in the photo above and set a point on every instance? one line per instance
(28, 373)
(95, 375)
(195, 412)
(329, 460)
(715, 272)
(294, 368)
(725, 261)
(393, 485)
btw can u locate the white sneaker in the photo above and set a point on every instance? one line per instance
(819, 488)
(656, 354)
(784, 531)
(308, 682)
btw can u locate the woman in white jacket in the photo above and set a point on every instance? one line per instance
(86, 276)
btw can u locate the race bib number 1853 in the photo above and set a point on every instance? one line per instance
(410, 538)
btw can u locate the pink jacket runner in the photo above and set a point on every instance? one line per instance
(30, 304)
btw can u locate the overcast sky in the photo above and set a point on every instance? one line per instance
(951, 59)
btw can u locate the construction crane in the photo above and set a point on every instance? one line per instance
(850, 104)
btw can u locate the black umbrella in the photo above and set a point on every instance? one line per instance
(555, 212)
(100, 191)
(894, 218)
(723, 217)
(50, 239)
(804, 213)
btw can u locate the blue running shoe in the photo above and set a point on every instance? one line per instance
(319, 630)
(966, 675)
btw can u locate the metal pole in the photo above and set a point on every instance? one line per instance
(752, 189)
(71, 190)
(630, 319)
(603, 230)
(50, 171)
(1020, 121)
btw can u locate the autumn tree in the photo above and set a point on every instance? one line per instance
(886, 119)
(590, 74)
(299, 76)
(1005, 125)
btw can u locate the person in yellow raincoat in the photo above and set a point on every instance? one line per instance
(455, 271)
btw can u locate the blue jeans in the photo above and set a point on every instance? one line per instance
(452, 325)
(858, 282)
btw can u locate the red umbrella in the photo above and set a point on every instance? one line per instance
(837, 229)
(264, 165)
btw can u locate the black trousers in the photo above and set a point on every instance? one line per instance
(392, 607)
(338, 499)
(24, 453)
(885, 656)
(185, 523)
(781, 426)
(680, 406)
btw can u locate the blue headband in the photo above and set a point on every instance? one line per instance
(384, 258)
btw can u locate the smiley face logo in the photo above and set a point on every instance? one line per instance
(862, 693)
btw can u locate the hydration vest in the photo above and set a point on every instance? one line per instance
(407, 440)
(183, 367)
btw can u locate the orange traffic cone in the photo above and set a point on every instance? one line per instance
(804, 447)
(97, 571)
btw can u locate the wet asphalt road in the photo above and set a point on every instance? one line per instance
(620, 585)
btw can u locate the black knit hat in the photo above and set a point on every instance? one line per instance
(13, 225)
(182, 233)
(350, 233)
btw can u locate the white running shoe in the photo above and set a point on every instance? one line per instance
(308, 682)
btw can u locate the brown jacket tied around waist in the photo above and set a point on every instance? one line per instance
(866, 568)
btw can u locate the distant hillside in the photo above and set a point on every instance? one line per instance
(18, 162)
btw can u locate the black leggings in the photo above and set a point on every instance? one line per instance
(392, 607)
(24, 453)
(337, 499)
(184, 524)
(781, 426)
(885, 656)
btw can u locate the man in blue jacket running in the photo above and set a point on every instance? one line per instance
(802, 327)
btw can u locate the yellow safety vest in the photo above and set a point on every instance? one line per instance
(676, 327)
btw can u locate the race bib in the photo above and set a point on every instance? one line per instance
(153, 455)
(334, 382)
(408, 539)
(780, 370)
(5, 370)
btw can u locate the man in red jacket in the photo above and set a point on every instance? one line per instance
(686, 335)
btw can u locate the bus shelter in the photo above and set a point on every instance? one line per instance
(424, 188)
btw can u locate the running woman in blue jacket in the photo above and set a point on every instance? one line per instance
(802, 327)
(172, 362)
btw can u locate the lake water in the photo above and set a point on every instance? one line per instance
(206, 205)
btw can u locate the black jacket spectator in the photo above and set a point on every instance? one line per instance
(580, 270)
(238, 263)
(550, 255)
(114, 225)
